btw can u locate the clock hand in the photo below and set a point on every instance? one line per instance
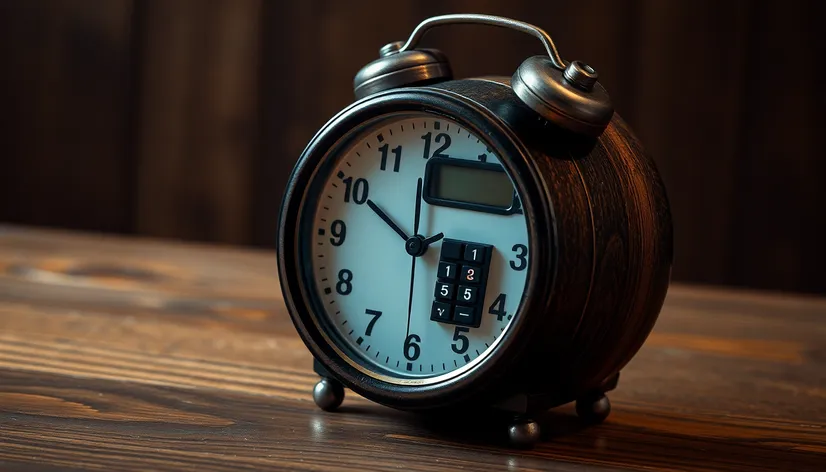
(386, 219)
(418, 207)
(416, 221)
(433, 239)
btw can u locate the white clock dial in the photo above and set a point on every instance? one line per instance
(377, 295)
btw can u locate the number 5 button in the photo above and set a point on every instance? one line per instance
(470, 275)
(467, 294)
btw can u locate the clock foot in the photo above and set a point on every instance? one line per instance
(524, 432)
(593, 408)
(328, 394)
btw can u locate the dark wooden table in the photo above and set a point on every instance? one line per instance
(124, 354)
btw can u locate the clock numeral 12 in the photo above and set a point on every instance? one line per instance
(440, 138)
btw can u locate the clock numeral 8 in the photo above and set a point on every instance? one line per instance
(345, 282)
(410, 344)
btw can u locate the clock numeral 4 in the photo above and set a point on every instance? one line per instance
(497, 308)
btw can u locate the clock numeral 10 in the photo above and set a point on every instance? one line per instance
(411, 347)
(358, 190)
(397, 153)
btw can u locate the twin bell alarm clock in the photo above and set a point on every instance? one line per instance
(455, 244)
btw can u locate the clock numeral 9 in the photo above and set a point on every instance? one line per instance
(397, 153)
(521, 257)
(345, 282)
(411, 348)
(339, 231)
(440, 138)
(464, 343)
(358, 190)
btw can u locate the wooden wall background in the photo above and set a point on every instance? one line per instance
(182, 118)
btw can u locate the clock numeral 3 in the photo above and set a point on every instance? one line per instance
(411, 347)
(397, 153)
(440, 138)
(345, 282)
(521, 257)
(358, 190)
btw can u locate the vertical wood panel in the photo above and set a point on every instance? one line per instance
(65, 74)
(199, 119)
(688, 104)
(780, 220)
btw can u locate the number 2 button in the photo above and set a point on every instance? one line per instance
(470, 275)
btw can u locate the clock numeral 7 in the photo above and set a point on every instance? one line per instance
(376, 315)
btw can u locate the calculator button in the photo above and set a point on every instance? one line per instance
(474, 253)
(447, 270)
(464, 315)
(440, 311)
(466, 294)
(444, 291)
(451, 249)
(470, 275)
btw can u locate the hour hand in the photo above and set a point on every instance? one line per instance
(392, 224)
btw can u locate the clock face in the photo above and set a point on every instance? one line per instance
(419, 248)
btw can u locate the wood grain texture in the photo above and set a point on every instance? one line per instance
(137, 354)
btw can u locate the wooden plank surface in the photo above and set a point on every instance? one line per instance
(135, 354)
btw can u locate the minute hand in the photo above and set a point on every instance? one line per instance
(392, 224)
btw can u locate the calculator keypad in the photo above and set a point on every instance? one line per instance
(462, 277)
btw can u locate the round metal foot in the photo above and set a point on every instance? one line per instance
(328, 394)
(593, 408)
(524, 433)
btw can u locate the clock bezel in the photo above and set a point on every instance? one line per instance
(336, 135)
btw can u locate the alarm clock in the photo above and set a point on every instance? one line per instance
(497, 243)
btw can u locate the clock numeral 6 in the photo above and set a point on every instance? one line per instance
(345, 282)
(339, 231)
(521, 257)
(358, 190)
(464, 343)
(411, 348)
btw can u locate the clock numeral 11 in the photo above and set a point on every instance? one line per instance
(397, 153)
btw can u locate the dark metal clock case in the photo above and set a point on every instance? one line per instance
(601, 251)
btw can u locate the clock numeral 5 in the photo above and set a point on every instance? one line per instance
(464, 343)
